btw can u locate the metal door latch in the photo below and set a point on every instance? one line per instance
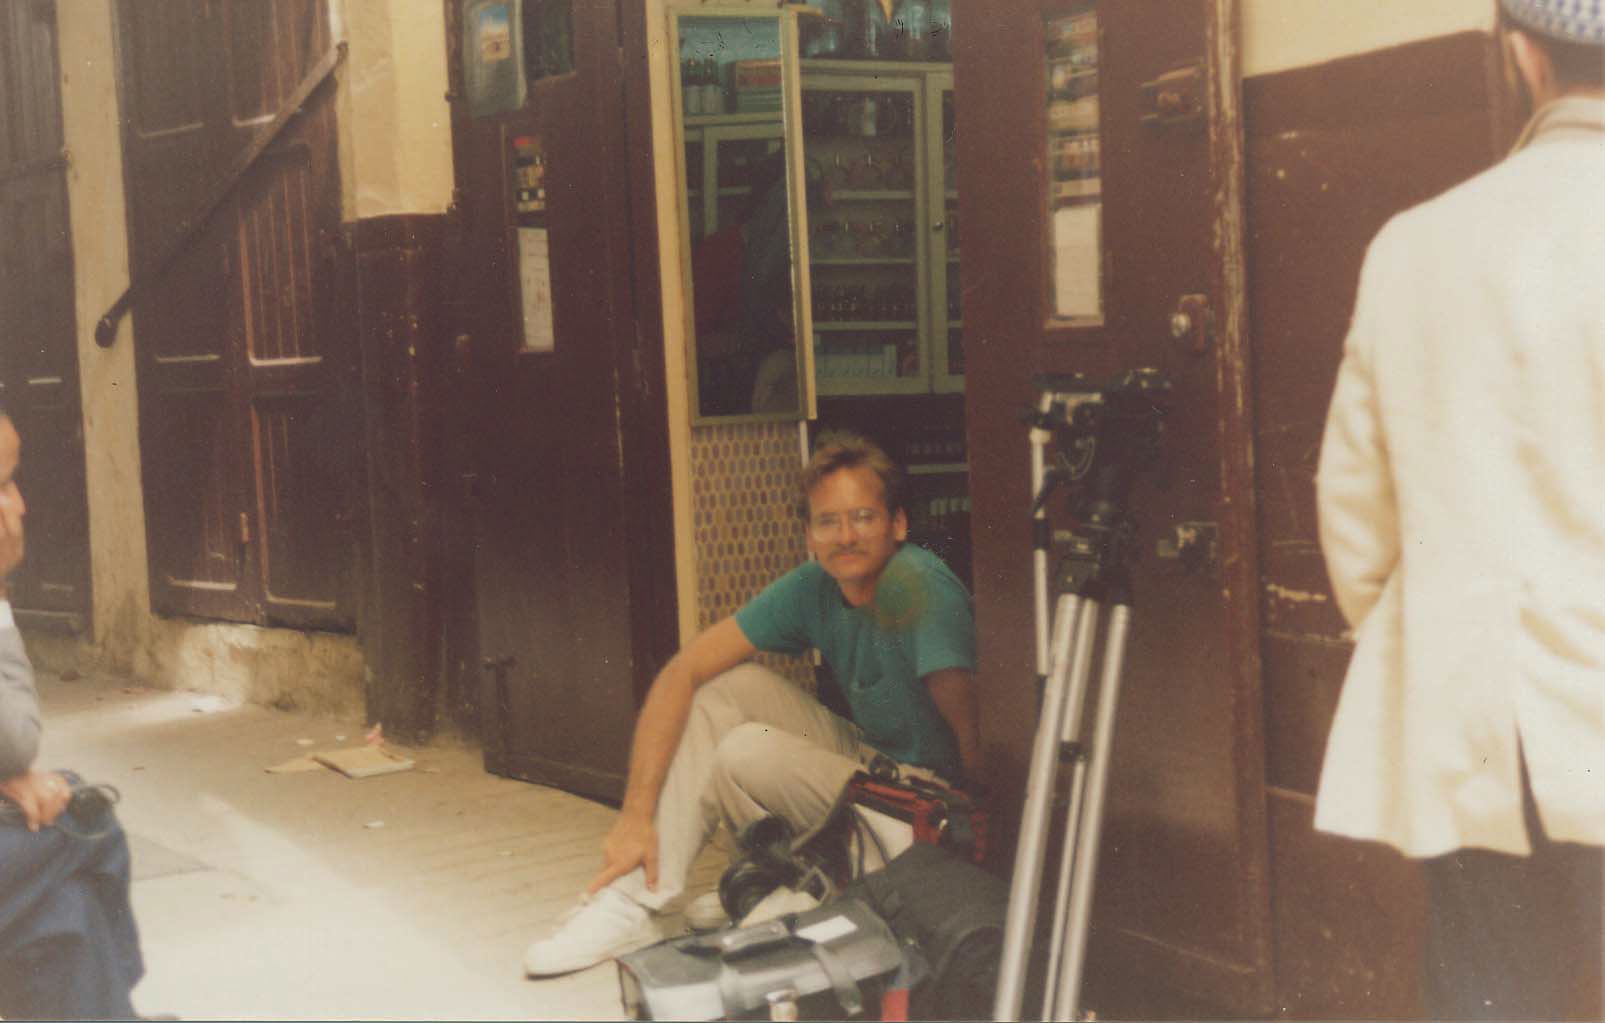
(499, 667)
(1193, 323)
(1195, 544)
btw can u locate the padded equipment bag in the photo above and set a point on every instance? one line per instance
(839, 961)
(953, 912)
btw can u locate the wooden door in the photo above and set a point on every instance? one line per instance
(1182, 917)
(38, 337)
(564, 435)
(246, 412)
(1349, 914)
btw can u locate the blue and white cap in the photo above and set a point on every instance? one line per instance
(1571, 21)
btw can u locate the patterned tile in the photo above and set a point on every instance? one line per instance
(744, 514)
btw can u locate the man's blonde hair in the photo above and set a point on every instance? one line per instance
(841, 449)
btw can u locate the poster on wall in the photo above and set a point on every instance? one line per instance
(1075, 157)
(535, 284)
(527, 168)
(529, 180)
(493, 58)
(1077, 263)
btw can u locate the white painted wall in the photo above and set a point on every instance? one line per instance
(1283, 34)
(395, 123)
(92, 125)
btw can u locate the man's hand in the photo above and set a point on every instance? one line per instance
(41, 795)
(632, 843)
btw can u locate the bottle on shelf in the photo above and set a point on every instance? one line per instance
(910, 30)
(941, 30)
(691, 85)
(712, 91)
(868, 116)
(822, 35)
(868, 30)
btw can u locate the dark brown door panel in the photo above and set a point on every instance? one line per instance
(196, 533)
(565, 475)
(246, 433)
(39, 383)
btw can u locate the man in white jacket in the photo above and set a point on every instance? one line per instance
(1462, 513)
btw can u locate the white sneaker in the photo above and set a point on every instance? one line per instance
(777, 904)
(603, 926)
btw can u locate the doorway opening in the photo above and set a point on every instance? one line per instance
(879, 129)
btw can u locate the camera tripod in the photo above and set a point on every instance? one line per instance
(1104, 436)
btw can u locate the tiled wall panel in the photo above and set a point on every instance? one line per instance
(744, 494)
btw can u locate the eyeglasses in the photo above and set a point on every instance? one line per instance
(862, 520)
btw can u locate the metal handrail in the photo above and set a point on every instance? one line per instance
(106, 327)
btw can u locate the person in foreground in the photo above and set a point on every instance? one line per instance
(722, 740)
(1462, 515)
(68, 945)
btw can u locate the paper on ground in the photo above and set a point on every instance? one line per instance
(296, 765)
(364, 761)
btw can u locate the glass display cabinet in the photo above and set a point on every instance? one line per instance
(883, 236)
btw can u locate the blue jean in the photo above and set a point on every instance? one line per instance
(68, 945)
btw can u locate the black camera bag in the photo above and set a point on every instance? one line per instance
(839, 961)
(953, 912)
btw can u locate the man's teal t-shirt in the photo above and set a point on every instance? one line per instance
(919, 622)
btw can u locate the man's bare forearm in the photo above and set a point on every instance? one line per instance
(954, 693)
(657, 736)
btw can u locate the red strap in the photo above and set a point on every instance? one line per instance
(894, 1003)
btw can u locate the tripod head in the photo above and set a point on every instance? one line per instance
(1105, 435)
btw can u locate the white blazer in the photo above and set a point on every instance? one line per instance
(1461, 494)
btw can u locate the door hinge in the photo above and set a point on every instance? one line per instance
(245, 528)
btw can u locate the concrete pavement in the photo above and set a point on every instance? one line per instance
(316, 896)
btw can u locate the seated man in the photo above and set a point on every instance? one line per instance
(719, 740)
(68, 948)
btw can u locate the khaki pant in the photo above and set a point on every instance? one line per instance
(754, 745)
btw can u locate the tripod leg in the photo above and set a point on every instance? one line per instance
(1028, 853)
(1081, 669)
(1041, 545)
(1075, 952)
